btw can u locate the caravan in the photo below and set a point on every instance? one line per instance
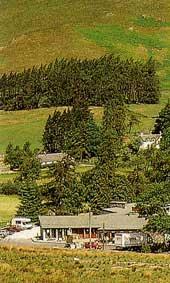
(21, 222)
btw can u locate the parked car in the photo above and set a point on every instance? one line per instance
(4, 233)
(93, 245)
(13, 229)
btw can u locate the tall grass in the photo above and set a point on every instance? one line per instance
(45, 265)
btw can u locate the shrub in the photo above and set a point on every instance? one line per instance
(9, 188)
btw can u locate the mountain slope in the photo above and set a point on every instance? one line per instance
(37, 31)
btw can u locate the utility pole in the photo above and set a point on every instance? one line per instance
(103, 235)
(90, 227)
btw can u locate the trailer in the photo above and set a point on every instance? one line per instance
(21, 222)
(131, 240)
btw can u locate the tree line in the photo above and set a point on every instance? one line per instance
(97, 81)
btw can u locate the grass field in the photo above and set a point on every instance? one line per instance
(8, 205)
(42, 265)
(34, 31)
(5, 177)
(21, 126)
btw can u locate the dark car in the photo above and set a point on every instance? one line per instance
(3, 233)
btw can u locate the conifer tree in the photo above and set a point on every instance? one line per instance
(163, 121)
(114, 127)
(98, 187)
(99, 80)
(64, 194)
(30, 204)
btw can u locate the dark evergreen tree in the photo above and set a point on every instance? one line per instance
(98, 183)
(13, 156)
(30, 203)
(163, 121)
(29, 169)
(94, 137)
(64, 194)
(114, 127)
(74, 131)
(99, 80)
(165, 141)
(9, 154)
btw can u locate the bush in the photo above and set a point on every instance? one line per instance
(146, 248)
(9, 188)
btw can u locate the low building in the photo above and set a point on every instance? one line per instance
(120, 207)
(167, 209)
(85, 226)
(150, 140)
(47, 159)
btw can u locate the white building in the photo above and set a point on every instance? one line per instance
(150, 140)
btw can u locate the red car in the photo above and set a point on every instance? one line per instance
(94, 245)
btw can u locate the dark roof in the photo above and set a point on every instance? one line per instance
(110, 221)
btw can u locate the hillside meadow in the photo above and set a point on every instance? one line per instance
(52, 265)
(35, 32)
(18, 127)
(8, 206)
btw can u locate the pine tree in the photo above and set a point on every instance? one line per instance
(163, 121)
(9, 154)
(53, 136)
(113, 130)
(64, 194)
(29, 169)
(98, 183)
(165, 141)
(30, 204)
(93, 137)
(98, 80)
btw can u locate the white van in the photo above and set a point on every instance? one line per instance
(22, 222)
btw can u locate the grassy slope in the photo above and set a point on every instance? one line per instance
(5, 177)
(19, 127)
(35, 32)
(8, 205)
(42, 265)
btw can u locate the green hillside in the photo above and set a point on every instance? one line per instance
(35, 31)
(27, 125)
(8, 206)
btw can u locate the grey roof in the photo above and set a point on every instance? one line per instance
(110, 221)
(122, 222)
(76, 221)
(51, 157)
(150, 137)
(121, 211)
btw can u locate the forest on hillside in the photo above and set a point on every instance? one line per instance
(96, 81)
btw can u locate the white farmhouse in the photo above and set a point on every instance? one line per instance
(150, 140)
